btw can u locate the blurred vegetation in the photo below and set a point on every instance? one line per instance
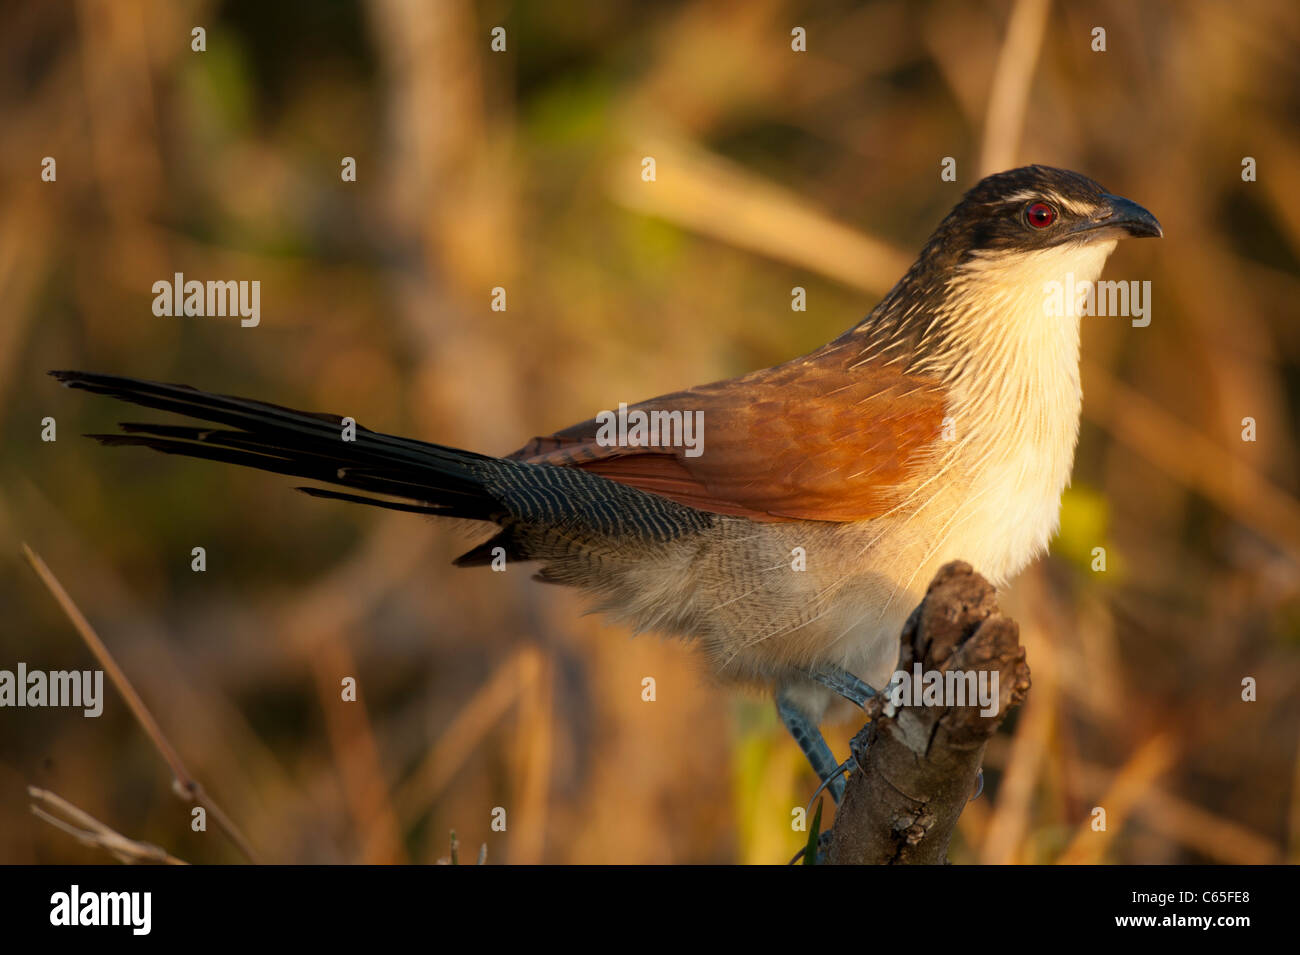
(522, 170)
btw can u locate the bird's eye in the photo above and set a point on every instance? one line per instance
(1040, 215)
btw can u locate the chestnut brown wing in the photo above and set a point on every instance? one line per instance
(818, 438)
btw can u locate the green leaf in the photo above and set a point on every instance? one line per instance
(814, 833)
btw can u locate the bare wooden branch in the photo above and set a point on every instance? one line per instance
(919, 763)
(89, 831)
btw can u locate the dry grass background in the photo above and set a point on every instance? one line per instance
(522, 170)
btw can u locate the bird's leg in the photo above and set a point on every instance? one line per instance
(810, 740)
(842, 682)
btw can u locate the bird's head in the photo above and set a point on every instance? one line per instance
(981, 276)
(1035, 208)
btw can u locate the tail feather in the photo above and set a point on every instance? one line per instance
(546, 512)
(298, 443)
(373, 501)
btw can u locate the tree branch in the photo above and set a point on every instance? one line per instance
(89, 831)
(919, 763)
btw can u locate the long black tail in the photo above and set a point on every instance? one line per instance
(300, 443)
(541, 508)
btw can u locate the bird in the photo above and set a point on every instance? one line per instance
(786, 521)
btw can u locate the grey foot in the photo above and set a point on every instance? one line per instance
(842, 682)
(813, 744)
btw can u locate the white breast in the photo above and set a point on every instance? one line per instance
(1016, 404)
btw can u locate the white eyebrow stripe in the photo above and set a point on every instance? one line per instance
(1076, 208)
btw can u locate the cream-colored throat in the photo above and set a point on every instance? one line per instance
(1019, 353)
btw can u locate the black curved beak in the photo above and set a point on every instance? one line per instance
(1127, 215)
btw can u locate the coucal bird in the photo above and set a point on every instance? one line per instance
(941, 427)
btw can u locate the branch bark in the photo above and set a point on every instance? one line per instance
(920, 763)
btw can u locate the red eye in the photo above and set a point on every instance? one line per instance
(1040, 215)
